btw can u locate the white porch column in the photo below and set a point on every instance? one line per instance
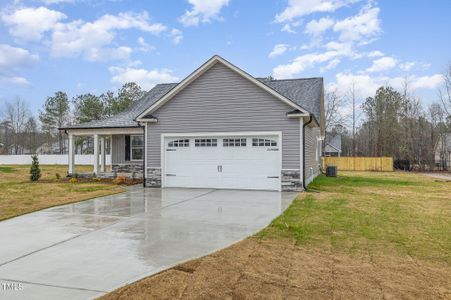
(102, 155)
(71, 154)
(96, 153)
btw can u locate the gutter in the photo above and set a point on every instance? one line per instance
(303, 151)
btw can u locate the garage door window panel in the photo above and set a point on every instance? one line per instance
(205, 143)
(234, 142)
(258, 142)
(179, 143)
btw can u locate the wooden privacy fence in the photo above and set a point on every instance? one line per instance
(360, 163)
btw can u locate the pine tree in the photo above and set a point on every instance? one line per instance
(35, 171)
(54, 115)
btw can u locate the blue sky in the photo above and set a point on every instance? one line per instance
(81, 46)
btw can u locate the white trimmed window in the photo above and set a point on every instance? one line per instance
(137, 147)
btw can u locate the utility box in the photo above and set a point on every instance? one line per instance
(331, 171)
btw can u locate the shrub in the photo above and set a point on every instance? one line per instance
(120, 180)
(35, 171)
(58, 176)
(73, 180)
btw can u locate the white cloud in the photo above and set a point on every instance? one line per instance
(382, 64)
(318, 27)
(50, 2)
(278, 49)
(301, 63)
(147, 79)
(331, 65)
(11, 60)
(367, 85)
(300, 8)
(94, 41)
(29, 24)
(106, 54)
(144, 46)
(202, 11)
(361, 28)
(13, 57)
(287, 28)
(407, 66)
(335, 51)
(176, 36)
(17, 80)
(427, 82)
(85, 39)
(375, 53)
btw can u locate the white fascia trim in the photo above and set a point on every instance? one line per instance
(293, 116)
(148, 120)
(105, 131)
(202, 69)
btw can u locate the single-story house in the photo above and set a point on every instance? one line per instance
(332, 144)
(217, 128)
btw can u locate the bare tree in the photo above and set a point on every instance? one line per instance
(17, 116)
(445, 91)
(353, 95)
(333, 117)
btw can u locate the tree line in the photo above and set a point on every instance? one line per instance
(21, 132)
(393, 123)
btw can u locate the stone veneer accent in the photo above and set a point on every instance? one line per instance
(153, 178)
(291, 181)
(129, 170)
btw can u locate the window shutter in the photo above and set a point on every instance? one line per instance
(127, 148)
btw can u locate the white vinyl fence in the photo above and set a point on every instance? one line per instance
(50, 159)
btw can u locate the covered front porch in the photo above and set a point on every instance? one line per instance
(126, 146)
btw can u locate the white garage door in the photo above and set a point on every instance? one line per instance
(229, 162)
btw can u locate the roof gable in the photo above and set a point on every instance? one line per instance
(201, 70)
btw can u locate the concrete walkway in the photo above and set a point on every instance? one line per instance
(84, 250)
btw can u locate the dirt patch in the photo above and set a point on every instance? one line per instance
(262, 269)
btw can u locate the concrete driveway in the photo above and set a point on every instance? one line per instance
(84, 250)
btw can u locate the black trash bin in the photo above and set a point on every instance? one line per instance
(331, 171)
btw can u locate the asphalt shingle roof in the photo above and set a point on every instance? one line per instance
(306, 92)
(333, 142)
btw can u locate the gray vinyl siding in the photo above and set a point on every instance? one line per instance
(118, 151)
(221, 100)
(312, 165)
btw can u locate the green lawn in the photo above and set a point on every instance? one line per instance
(372, 213)
(19, 195)
(362, 235)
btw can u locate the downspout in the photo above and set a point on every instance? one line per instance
(144, 159)
(303, 151)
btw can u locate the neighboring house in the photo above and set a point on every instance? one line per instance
(218, 128)
(19, 149)
(442, 152)
(54, 148)
(332, 144)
